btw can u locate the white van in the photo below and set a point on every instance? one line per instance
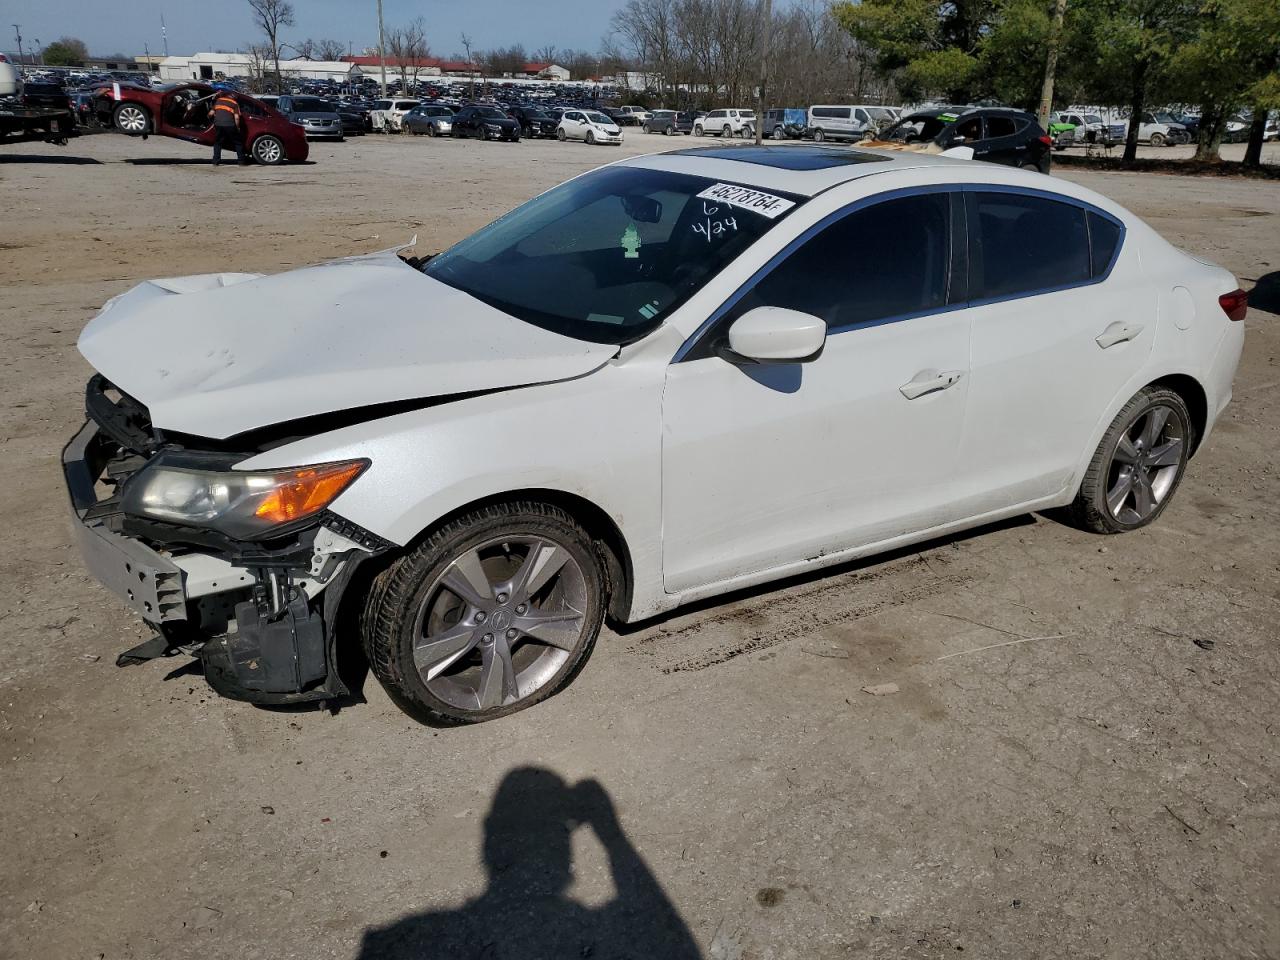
(846, 122)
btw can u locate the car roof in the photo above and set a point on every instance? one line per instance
(802, 170)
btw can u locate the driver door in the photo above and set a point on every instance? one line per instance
(767, 466)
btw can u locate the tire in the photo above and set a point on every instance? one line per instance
(591, 137)
(819, 136)
(698, 132)
(431, 129)
(1151, 438)
(131, 119)
(561, 135)
(726, 131)
(778, 134)
(1157, 140)
(451, 586)
(646, 129)
(268, 150)
(666, 131)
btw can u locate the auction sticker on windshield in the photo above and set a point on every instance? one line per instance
(765, 204)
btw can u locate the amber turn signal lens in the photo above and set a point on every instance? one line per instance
(306, 491)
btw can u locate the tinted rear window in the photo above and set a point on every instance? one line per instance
(1001, 127)
(1027, 244)
(1104, 238)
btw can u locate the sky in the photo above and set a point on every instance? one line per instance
(111, 27)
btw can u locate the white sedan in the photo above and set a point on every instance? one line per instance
(589, 125)
(672, 377)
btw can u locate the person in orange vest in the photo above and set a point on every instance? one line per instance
(226, 127)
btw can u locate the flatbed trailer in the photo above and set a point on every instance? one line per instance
(22, 124)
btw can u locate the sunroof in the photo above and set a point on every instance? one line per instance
(786, 158)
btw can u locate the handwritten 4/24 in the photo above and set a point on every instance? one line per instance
(712, 227)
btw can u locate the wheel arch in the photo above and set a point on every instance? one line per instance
(595, 520)
(1194, 396)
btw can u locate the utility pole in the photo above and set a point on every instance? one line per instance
(1051, 63)
(17, 31)
(766, 32)
(382, 52)
(164, 34)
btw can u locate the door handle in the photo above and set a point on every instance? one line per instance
(1118, 332)
(930, 381)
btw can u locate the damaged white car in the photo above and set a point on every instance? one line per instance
(665, 379)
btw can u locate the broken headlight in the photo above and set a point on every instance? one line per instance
(202, 490)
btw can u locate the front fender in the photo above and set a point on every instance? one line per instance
(597, 437)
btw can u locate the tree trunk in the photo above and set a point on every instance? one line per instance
(1137, 104)
(1209, 136)
(1257, 129)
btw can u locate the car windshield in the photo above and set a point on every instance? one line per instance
(1092, 118)
(917, 129)
(1165, 118)
(311, 105)
(599, 118)
(607, 256)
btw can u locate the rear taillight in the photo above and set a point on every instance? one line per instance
(1234, 304)
(1046, 140)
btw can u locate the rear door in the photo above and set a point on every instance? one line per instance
(1056, 336)
(1005, 140)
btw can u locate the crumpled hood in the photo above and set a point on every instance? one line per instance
(218, 354)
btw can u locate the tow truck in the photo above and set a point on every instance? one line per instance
(21, 122)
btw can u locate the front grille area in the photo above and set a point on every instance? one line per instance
(121, 418)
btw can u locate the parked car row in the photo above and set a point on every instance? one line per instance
(500, 122)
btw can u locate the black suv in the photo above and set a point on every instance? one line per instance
(534, 121)
(995, 134)
(485, 122)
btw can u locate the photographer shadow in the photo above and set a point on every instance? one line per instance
(525, 914)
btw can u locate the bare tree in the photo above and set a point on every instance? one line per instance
(306, 49)
(408, 46)
(330, 50)
(272, 16)
(471, 62)
(546, 54)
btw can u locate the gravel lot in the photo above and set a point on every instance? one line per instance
(1113, 793)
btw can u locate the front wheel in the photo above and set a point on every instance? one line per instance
(726, 131)
(698, 132)
(492, 613)
(818, 136)
(646, 129)
(777, 133)
(1138, 464)
(591, 137)
(561, 135)
(1157, 139)
(268, 150)
(131, 119)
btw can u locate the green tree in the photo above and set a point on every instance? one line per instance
(1225, 65)
(65, 52)
(928, 47)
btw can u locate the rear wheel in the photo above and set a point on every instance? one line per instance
(666, 131)
(1138, 464)
(490, 614)
(818, 136)
(698, 131)
(131, 119)
(726, 131)
(777, 133)
(268, 150)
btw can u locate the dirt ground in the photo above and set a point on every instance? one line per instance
(1112, 793)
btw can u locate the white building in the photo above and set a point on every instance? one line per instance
(218, 66)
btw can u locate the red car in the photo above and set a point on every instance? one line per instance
(183, 111)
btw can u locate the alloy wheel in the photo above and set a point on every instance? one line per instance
(268, 150)
(1145, 464)
(131, 119)
(499, 623)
